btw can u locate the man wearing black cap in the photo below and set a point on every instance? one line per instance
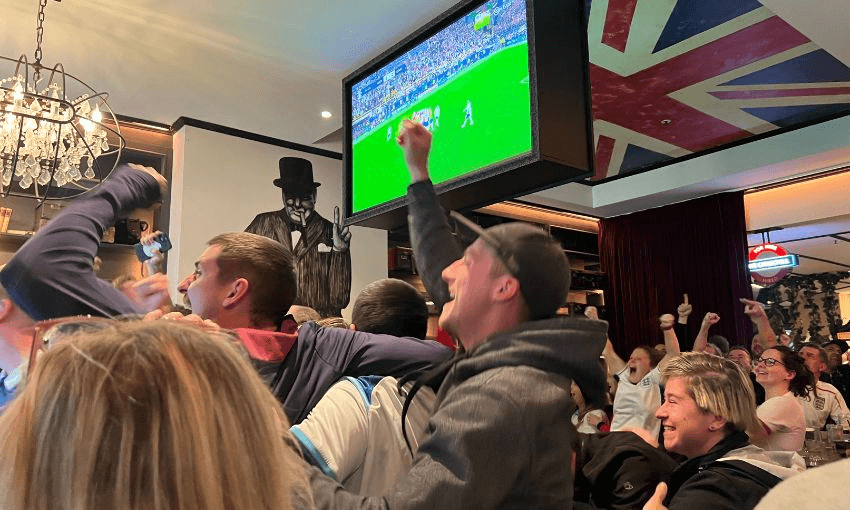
(838, 373)
(501, 435)
(320, 247)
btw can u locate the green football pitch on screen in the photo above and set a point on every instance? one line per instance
(480, 117)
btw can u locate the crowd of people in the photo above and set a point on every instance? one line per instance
(434, 63)
(235, 399)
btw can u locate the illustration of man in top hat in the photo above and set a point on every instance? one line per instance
(319, 246)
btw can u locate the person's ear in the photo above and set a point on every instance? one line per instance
(352, 327)
(507, 287)
(6, 309)
(718, 423)
(238, 291)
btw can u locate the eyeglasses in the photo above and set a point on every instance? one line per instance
(768, 362)
(49, 332)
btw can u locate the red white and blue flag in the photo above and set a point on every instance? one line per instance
(675, 77)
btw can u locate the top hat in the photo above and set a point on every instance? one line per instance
(296, 176)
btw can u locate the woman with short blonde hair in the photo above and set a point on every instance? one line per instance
(147, 415)
(709, 405)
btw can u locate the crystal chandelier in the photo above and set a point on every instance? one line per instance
(58, 137)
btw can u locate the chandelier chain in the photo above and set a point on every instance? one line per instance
(39, 33)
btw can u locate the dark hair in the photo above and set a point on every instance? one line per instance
(803, 379)
(721, 343)
(392, 307)
(741, 348)
(655, 357)
(267, 265)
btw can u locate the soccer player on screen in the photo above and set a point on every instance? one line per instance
(468, 114)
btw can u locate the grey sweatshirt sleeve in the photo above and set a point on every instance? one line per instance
(51, 275)
(434, 246)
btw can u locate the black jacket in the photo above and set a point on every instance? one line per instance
(618, 470)
(709, 483)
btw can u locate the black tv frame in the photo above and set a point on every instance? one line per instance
(561, 122)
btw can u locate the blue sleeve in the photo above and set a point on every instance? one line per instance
(51, 275)
(356, 354)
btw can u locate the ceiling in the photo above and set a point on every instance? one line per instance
(265, 66)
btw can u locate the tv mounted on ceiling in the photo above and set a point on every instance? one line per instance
(502, 85)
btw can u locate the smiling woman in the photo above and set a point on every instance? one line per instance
(708, 408)
(784, 376)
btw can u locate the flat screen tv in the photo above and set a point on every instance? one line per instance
(502, 85)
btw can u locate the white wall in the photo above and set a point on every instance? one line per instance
(220, 182)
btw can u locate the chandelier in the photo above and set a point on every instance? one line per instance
(58, 136)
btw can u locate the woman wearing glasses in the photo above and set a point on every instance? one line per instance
(146, 415)
(784, 376)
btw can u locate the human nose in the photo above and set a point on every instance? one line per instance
(448, 273)
(661, 412)
(183, 286)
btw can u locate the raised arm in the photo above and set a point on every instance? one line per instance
(671, 343)
(766, 336)
(684, 310)
(52, 276)
(701, 341)
(614, 362)
(683, 333)
(434, 246)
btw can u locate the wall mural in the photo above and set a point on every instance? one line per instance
(320, 246)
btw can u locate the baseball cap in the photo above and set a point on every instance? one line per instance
(840, 343)
(531, 256)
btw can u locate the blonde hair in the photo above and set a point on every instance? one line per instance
(718, 386)
(147, 416)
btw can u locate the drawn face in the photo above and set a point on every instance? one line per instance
(299, 207)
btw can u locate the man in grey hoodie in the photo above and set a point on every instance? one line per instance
(501, 435)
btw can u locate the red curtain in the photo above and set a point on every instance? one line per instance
(651, 258)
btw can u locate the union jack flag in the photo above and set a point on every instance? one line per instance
(674, 77)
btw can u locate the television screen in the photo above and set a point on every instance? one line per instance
(502, 85)
(475, 94)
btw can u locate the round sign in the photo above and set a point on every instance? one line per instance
(768, 276)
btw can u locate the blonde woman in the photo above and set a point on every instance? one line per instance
(147, 415)
(709, 405)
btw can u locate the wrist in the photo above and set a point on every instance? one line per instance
(419, 173)
(683, 319)
(667, 328)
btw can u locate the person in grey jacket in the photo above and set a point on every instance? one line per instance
(501, 434)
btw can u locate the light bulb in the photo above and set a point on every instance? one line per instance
(19, 92)
(96, 115)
